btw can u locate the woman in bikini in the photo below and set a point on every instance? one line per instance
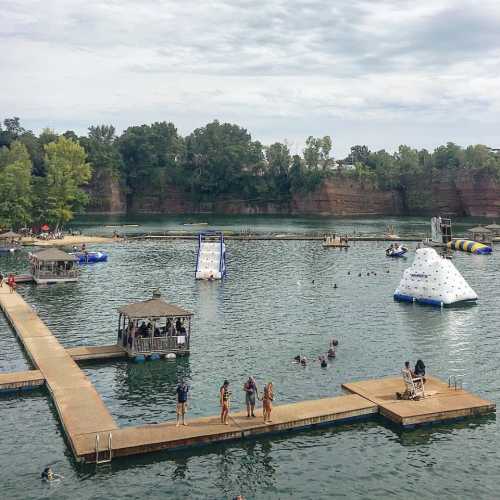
(267, 402)
(225, 396)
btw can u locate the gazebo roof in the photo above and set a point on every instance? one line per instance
(9, 235)
(53, 255)
(479, 229)
(493, 226)
(155, 307)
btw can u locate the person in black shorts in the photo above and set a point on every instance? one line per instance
(182, 395)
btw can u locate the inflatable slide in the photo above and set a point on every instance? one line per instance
(211, 260)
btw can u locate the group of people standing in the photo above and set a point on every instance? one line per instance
(251, 395)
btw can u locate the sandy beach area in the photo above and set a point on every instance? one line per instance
(69, 241)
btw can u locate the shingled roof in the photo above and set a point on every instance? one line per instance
(155, 307)
(54, 255)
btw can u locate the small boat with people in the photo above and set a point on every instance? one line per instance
(396, 250)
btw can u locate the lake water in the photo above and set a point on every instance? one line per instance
(277, 301)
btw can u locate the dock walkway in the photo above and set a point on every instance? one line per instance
(86, 420)
(80, 408)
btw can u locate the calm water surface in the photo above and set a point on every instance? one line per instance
(278, 300)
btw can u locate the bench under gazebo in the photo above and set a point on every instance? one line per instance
(154, 328)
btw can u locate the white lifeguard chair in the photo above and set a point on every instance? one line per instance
(414, 386)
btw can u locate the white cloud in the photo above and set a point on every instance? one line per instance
(374, 72)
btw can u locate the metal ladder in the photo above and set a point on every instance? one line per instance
(109, 451)
(455, 383)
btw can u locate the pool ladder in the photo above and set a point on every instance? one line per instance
(454, 383)
(108, 454)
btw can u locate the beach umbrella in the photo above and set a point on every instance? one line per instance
(45, 227)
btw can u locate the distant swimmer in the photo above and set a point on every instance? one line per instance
(335, 285)
(331, 353)
(359, 275)
(303, 361)
(322, 362)
(348, 273)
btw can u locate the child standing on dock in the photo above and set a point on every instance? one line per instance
(267, 402)
(182, 395)
(225, 396)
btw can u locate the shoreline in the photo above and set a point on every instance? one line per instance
(69, 241)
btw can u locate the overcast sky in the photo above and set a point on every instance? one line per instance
(374, 72)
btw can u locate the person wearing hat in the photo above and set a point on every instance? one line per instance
(225, 396)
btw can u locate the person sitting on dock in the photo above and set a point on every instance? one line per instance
(407, 369)
(182, 395)
(250, 388)
(420, 370)
(225, 396)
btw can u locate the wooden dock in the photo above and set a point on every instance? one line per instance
(93, 434)
(21, 381)
(94, 353)
(441, 403)
(80, 408)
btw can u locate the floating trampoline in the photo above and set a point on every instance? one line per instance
(400, 252)
(90, 257)
(433, 280)
(470, 246)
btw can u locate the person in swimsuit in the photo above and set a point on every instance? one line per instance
(11, 281)
(225, 396)
(267, 402)
(250, 388)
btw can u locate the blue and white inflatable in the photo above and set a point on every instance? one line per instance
(433, 280)
(90, 257)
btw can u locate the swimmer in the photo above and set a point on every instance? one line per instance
(322, 362)
(297, 358)
(334, 343)
(49, 475)
(348, 273)
(303, 360)
(335, 285)
(368, 274)
(359, 275)
(331, 353)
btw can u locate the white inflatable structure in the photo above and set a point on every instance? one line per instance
(211, 261)
(433, 280)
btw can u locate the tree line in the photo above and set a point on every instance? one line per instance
(44, 178)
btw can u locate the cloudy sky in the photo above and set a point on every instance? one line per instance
(375, 72)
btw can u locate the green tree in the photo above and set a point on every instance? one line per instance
(15, 186)
(67, 172)
(150, 156)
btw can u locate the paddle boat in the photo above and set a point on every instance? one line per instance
(90, 257)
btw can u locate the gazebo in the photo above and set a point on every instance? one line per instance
(9, 242)
(494, 228)
(480, 234)
(154, 328)
(53, 266)
(10, 235)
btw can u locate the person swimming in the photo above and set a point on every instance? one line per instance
(47, 474)
(331, 353)
(322, 362)
(303, 361)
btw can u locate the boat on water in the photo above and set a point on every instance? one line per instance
(195, 224)
(396, 251)
(90, 257)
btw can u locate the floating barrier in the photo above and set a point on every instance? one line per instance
(470, 246)
(433, 280)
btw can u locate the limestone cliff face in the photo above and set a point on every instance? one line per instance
(106, 195)
(454, 194)
(480, 195)
(347, 197)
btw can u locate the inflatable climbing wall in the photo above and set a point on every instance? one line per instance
(434, 280)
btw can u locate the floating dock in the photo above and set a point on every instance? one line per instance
(21, 381)
(95, 353)
(442, 402)
(94, 436)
